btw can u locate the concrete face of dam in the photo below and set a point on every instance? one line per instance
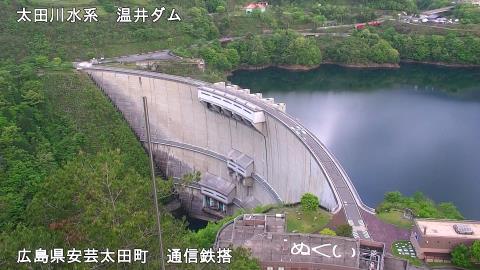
(192, 135)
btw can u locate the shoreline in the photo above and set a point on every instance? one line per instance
(440, 64)
(300, 68)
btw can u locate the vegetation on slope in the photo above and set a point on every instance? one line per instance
(263, 38)
(468, 13)
(435, 48)
(421, 206)
(72, 173)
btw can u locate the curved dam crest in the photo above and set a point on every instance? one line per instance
(247, 149)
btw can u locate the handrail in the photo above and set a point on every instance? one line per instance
(258, 178)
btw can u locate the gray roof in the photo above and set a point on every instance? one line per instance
(266, 237)
(240, 158)
(217, 183)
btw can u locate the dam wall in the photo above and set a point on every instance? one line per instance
(193, 134)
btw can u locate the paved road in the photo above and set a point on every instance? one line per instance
(436, 11)
(157, 55)
(344, 190)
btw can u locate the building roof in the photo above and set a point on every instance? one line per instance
(265, 236)
(217, 183)
(240, 158)
(256, 5)
(449, 228)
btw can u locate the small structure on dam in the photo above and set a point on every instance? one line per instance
(248, 151)
(218, 194)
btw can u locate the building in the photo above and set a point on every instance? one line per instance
(265, 235)
(260, 6)
(433, 240)
(218, 194)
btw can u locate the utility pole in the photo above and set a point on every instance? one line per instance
(154, 184)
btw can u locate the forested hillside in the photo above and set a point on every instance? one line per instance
(72, 174)
(205, 22)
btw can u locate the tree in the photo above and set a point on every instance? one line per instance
(33, 97)
(242, 260)
(461, 256)
(327, 231)
(186, 182)
(201, 25)
(220, 9)
(364, 47)
(213, 5)
(476, 250)
(41, 61)
(318, 20)
(393, 197)
(449, 210)
(468, 13)
(56, 61)
(232, 56)
(382, 52)
(309, 202)
(344, 230)
(94, 196)
(302, 51)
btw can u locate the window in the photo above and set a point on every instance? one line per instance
(269, 268)
(212, 203)
(281, 268)
(222, 207)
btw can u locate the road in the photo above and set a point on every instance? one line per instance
(345, 192)
(157, 55)
(436, 11)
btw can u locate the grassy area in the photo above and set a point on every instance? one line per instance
(396, 218)
(304, 222)
(400, 254)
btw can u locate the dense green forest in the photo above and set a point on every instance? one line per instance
(468, 13)
(435, 48)
(421, 206)
(204, 22)
(365, 47)
(73, 174)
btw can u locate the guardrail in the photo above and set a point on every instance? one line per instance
(262, 181)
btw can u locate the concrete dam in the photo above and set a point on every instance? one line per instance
(248, 150)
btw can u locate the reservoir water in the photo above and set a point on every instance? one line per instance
(411, 129)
